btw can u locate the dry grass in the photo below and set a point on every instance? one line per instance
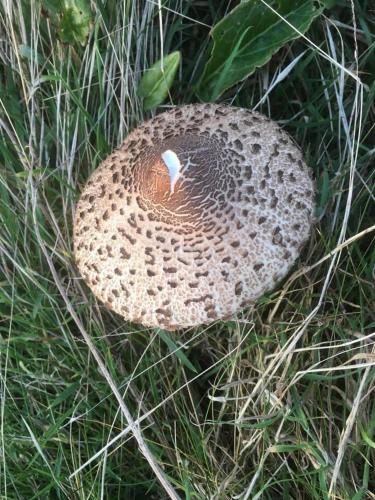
(276, 403)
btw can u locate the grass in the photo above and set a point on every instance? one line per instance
(279, 402)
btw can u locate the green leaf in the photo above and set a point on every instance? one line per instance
(75, 21)
(248, 37)
(366, 438)
(157, 81)
(30, 54)
(65, 394)
(52, 7)
(262, 424)
(175, 349)
(72, 19)
(324, 189)
(289, 448)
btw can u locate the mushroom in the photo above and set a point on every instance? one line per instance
(199, 212)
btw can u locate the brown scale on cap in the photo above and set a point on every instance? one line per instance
(198, 213)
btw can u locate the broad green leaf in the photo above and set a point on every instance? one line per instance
(71, 18)
(157, 81)
(75, 21)
(248, 37)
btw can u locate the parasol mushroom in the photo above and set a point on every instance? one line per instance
(197, 214)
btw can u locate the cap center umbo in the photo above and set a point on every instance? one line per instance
(181, 175)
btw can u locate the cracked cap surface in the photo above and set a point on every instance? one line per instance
(184, 243)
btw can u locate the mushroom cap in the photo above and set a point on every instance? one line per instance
(198, 213)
